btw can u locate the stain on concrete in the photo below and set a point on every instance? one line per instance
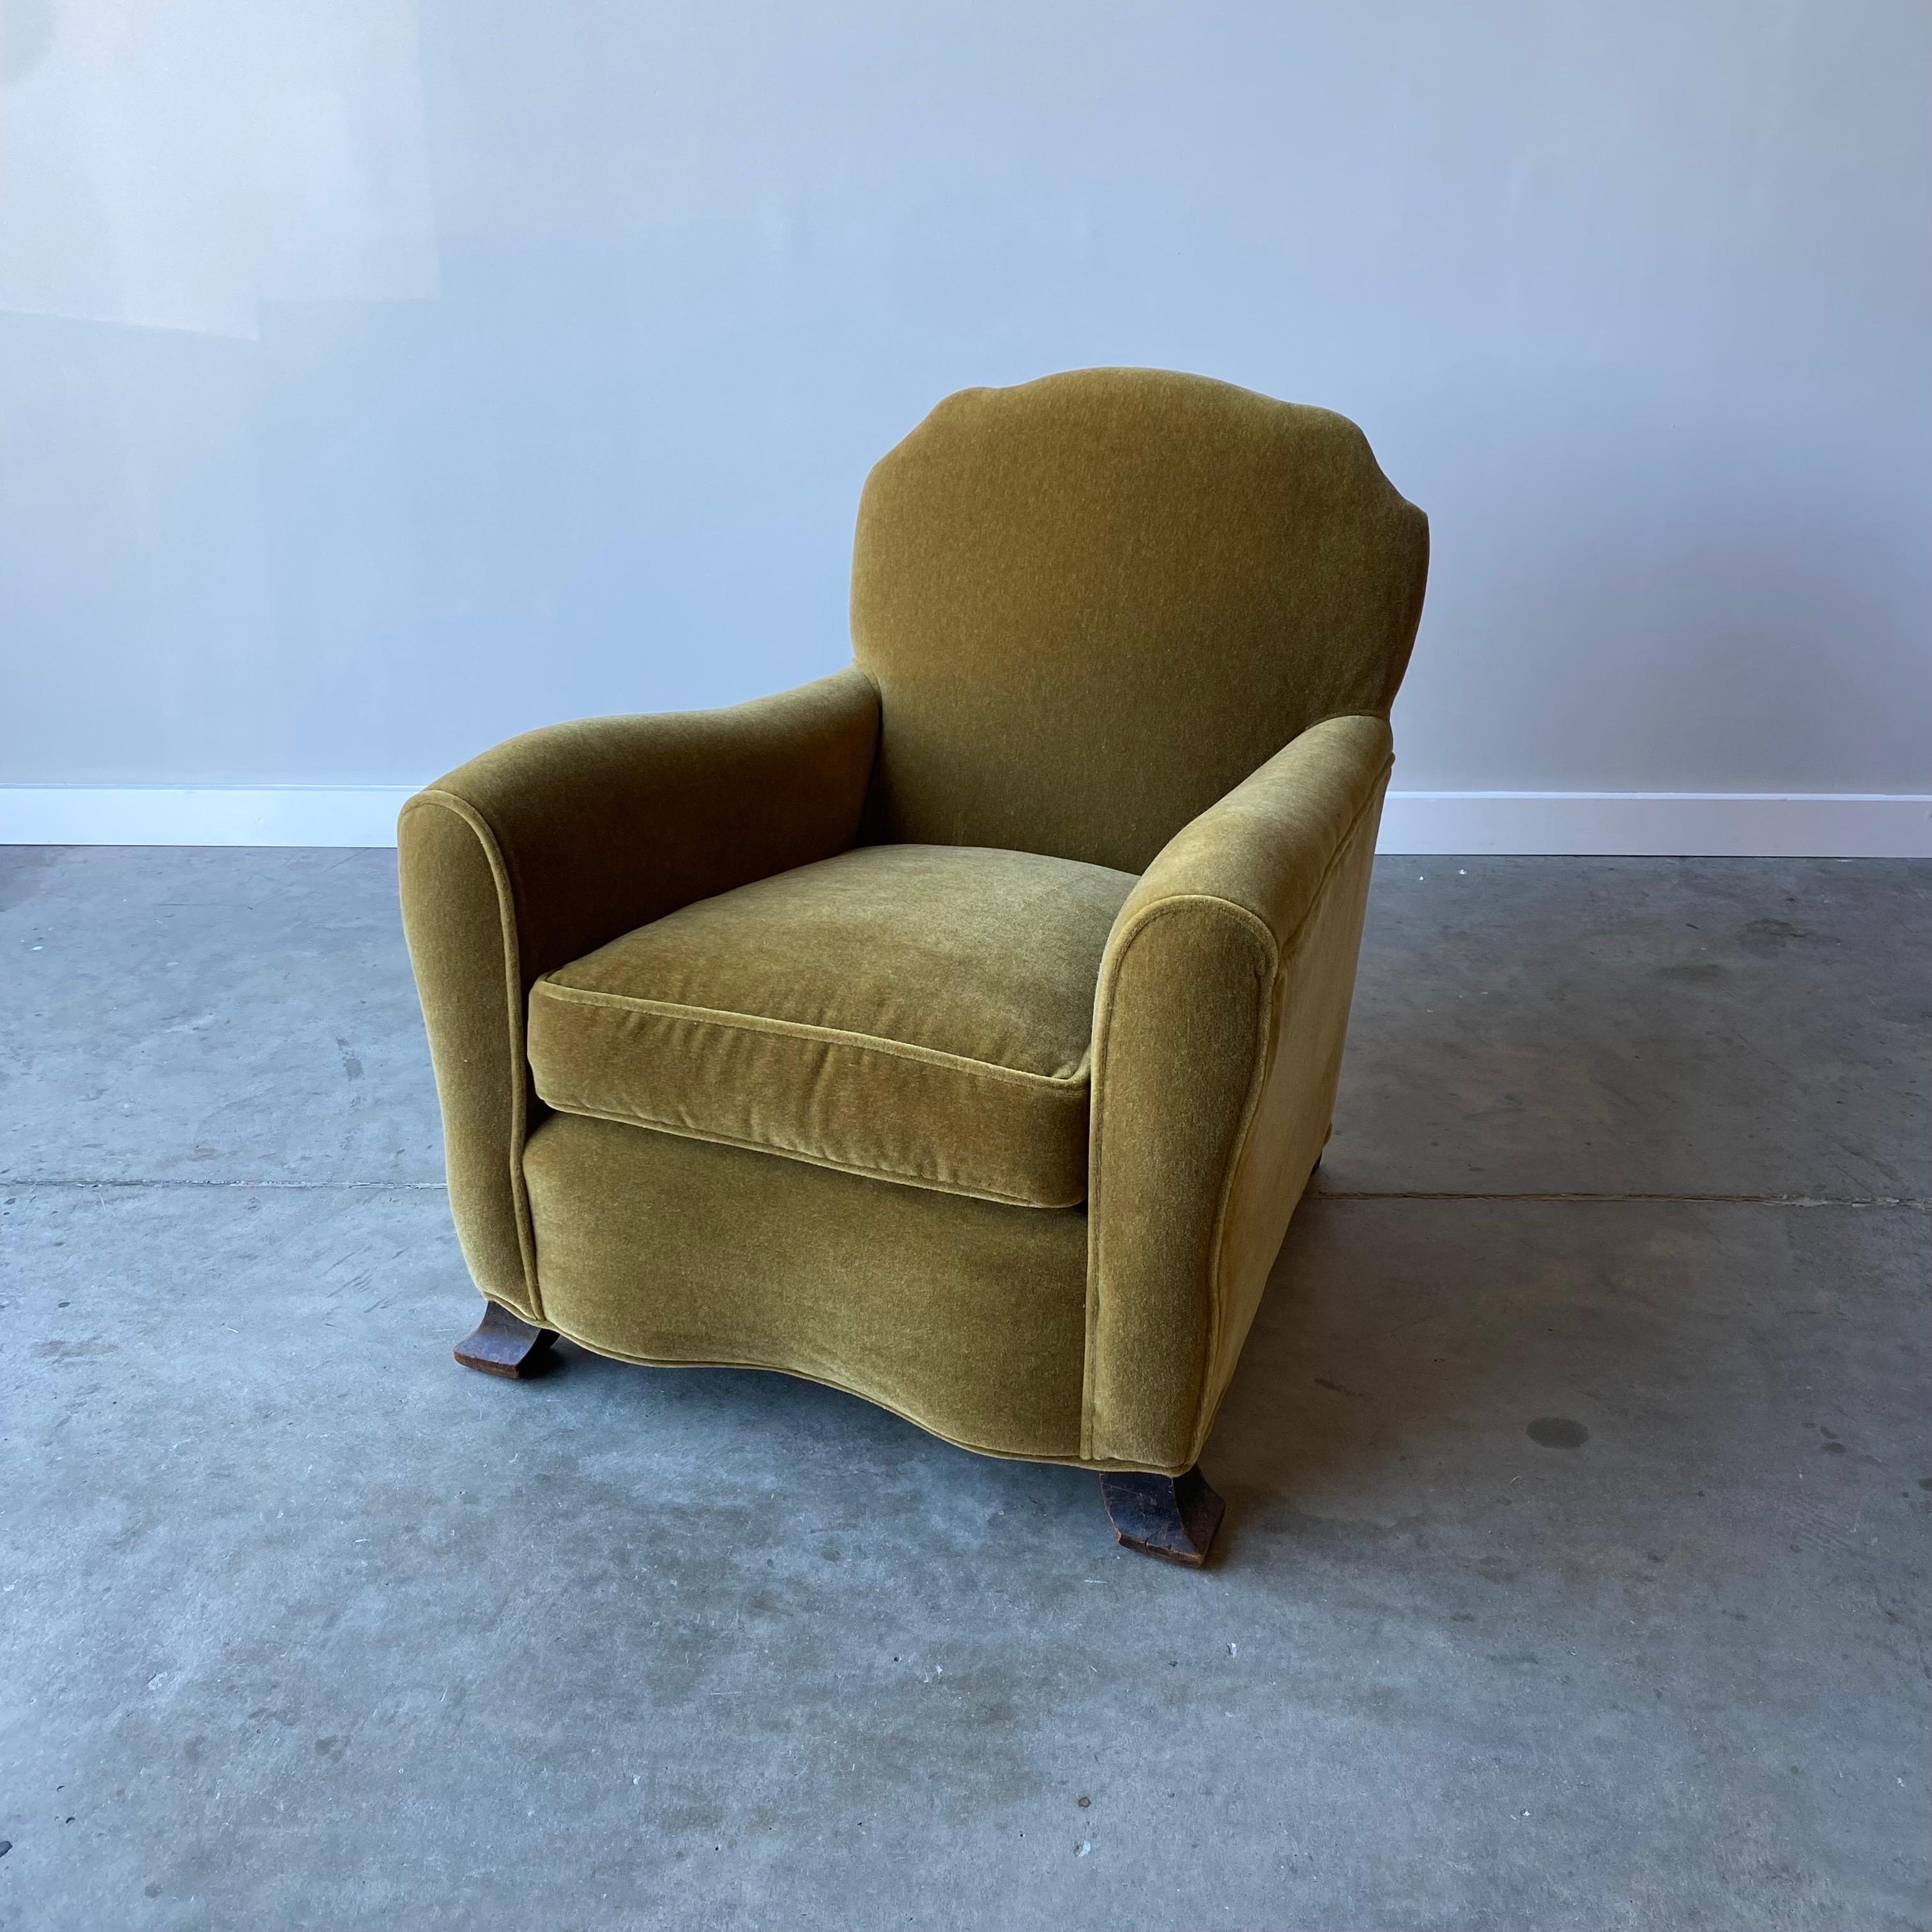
(59, 1351)
(1557, 1431)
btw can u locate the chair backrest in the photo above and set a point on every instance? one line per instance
(1093, 604)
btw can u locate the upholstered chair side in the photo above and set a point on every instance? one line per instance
(1218, 1026)
(558, 841)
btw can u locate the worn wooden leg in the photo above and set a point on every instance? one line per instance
(505, 1345)
(1173, 1517)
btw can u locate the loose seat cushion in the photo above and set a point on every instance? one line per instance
(919, 1013)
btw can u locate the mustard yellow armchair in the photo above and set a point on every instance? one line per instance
(960, 1030)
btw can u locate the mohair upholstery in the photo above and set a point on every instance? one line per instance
(920, 1013)
(1095, 603)
(967, 1317)
(558, 841)
(1217, 1045)
(1092, 812)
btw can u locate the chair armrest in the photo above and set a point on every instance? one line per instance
(557, 841)
(1218, 1025)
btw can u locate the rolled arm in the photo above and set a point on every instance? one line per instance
(557, 841)
(1218, 1026)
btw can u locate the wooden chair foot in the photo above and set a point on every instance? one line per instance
(505, 1344)
(1172, 1517)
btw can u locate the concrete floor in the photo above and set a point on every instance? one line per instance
(1578, 1475)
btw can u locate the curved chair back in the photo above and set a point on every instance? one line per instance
(1093, 604)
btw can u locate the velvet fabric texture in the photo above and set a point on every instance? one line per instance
(557, 841)
(964, 1316)
(1040, 922)
(1217, 1046)
(922, 1013)
(1093, 604)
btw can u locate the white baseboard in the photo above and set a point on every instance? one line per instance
(1827, 825)
(200, 815)
(1712, 824)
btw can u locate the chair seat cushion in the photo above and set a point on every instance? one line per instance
(918, 1013)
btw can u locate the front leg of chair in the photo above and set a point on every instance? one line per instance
(504, 1344)
(1172, 1517)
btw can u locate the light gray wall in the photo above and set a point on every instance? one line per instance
(378, 381)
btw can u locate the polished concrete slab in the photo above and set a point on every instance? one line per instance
(1576, 1569)
(1675, 1026)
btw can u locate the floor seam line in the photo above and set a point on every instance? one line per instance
(1913, 1202)
(282, 1186)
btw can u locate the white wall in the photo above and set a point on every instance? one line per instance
(378, 379)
